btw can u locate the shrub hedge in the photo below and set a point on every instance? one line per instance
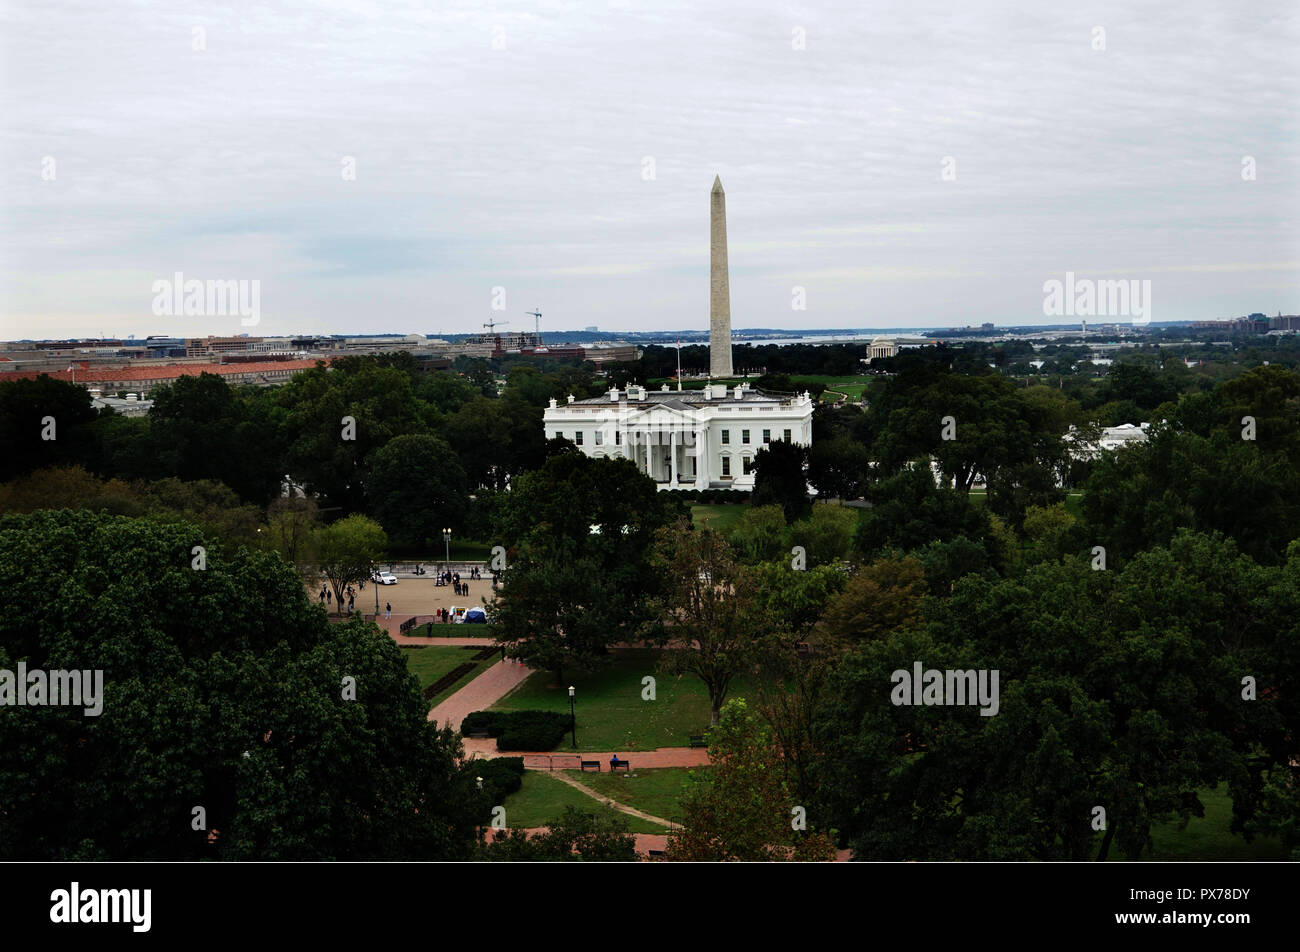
(502, 776)
(519, 730)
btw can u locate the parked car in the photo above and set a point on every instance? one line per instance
(384, 578)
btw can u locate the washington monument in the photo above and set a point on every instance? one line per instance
(719, 285)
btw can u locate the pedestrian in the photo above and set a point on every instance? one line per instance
(351, 604)
(388, 610)
(322, 596)
(329, 597)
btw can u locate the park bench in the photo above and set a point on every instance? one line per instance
(697, 740)
(623, 765)
(593, 764)
(407, 625)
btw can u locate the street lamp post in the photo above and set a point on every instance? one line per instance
(446, 541)
(375, 585)
(573, 718)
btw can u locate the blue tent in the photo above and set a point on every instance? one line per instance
(476, 616)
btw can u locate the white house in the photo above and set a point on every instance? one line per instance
(1110, 438)
(685, 439)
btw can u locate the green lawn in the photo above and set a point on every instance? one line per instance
(851, 386)
(542, 799)
(1206, 838)
(721, 516)
(611, 716)
(430, 664)
(657, 792)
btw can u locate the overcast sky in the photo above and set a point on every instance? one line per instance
(573, 166)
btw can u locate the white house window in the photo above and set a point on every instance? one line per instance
(787, 436)
(618, 437)
(577, 437)
(726, 467)
(744, 436)
(600, 438)
(767, 436)
(726, 437)
(746, 465)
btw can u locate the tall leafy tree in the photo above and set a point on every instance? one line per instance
(709, 613)
(416, 487)
(1118, 689)
(223, 688)
(577, 532)
(781, 478)
(43, 422)
(742, 808)
(348, 551)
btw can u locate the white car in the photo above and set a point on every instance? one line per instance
(384, 578)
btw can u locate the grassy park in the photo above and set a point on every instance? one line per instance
(542, 799)
(611, 715)
(1207, 838)
(720, 516)
(657, 792)
(430, 664)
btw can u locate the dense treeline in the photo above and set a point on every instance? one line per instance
(371, 435)
(1141, 606)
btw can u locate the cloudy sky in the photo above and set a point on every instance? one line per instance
(906, 164)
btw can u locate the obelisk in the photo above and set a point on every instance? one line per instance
(719, 285)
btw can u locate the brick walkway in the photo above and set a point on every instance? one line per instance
(639, 759)
(480, 694)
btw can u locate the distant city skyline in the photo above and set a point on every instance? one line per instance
(381, 170)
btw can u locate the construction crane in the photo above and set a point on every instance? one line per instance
(492, 325)
(537, 323)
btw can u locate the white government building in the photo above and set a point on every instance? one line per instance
(685, 439)
(690, 439)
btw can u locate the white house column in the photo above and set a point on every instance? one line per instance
(701, 459)
(672, 456)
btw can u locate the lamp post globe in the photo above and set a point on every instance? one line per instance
(573, 718)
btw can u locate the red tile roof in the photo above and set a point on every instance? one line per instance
(167, 371)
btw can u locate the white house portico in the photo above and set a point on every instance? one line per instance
(693, 439)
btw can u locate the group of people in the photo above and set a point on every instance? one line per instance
(453, 579)
(327, 597)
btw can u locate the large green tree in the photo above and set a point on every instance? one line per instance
(416, 487)
(348, 552)
(708, 613)
(577, 534)
(742, 808)
(223, 688)
(781, 478)
(1118, 689)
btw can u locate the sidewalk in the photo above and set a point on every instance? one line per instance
(481, 693)
(570, 760)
